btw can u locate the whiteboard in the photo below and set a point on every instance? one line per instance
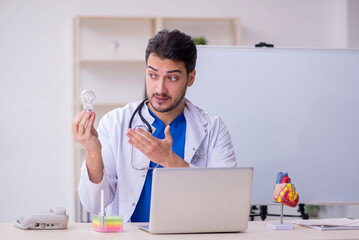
(289, 110)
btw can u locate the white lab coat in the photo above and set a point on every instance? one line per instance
(207, 144)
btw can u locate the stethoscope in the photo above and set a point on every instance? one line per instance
(149, 129)
(195, 158)
(138, 109)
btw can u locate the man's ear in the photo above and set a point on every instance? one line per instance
(191, 78)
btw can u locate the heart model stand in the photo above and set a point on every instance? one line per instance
(285, 194)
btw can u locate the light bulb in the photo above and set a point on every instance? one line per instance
(87, 98)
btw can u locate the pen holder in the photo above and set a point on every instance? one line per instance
(111, 224)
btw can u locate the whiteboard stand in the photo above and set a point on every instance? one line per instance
(263, 212)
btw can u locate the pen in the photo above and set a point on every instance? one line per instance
(102, 213)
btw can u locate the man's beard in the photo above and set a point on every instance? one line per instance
(171, 107)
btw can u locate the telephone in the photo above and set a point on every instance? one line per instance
(56, 218)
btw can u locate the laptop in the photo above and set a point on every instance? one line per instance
(200, 200)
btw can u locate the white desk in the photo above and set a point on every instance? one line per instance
(256, 230)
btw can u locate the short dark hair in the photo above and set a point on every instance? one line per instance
(174, 45)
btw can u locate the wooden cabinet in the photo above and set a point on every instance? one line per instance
(109, 58)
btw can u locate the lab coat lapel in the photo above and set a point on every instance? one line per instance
(196, 130)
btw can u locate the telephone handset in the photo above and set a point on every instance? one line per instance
(56, 218)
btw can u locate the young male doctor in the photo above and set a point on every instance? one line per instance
(120, 158)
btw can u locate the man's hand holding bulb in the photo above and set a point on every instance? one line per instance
(83, 131)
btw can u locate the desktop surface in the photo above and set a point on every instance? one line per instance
(256, 230)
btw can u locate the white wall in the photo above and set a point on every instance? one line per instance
(36, 169)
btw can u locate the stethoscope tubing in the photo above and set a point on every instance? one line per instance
(149, 129)
(138, 109)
